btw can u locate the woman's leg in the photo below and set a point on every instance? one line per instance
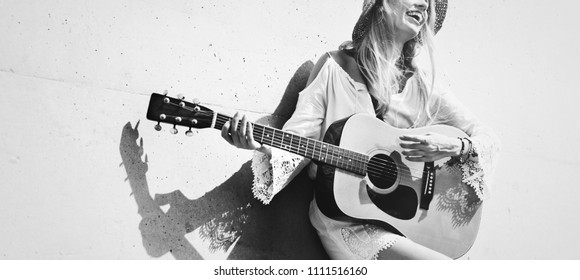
(405, 249)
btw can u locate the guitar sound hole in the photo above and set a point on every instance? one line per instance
(401, 202)
(382, 171)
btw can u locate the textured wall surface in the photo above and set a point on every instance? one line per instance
(83, 174)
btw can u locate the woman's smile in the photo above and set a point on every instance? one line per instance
(417, 16)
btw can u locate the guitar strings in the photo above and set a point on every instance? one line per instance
(378, 169)
(381, 168)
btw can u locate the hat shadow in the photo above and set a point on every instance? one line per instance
(228, 218)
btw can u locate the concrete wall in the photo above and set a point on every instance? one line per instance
(83, 174)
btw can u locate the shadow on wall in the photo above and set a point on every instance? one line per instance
(229, 214)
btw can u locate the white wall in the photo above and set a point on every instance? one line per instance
(76, 78)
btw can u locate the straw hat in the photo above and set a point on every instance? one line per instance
(362, 25)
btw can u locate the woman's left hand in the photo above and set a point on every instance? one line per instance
(429, 147)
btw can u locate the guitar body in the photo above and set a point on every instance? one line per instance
(451, 222)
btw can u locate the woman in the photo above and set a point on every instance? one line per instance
(376, 73)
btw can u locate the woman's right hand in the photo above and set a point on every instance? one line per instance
(241, 136)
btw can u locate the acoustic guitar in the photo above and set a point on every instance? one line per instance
(362, 175)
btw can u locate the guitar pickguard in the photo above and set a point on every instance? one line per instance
(401, 203)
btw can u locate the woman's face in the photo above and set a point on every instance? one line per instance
(407, 17)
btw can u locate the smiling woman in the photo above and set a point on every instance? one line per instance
(373, 197)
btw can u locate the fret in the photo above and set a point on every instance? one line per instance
(361, 162)
(312, 148)
(329, 154)
(289, 137)
(357, 162)
(308, 147)
(344, 159)
(271, 137)
(348, 160)
(315, 150)
(279, 138)
(286, 141)
(279, 144)
(296, 146)
(262, 137)
(282, 141)
(364, 163)
(352, 161)
(355, 165)
(333, 157)
(339, 157)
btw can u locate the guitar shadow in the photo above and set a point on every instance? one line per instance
(228, 218)
(459, 200)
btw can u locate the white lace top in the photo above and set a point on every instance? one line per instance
(334, 95)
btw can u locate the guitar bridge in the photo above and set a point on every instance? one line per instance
(428, 185)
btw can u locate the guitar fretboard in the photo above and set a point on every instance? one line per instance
(306, 147)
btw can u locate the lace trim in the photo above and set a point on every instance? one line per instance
(473, 177)
(367, 241)
(272, 173)
(262, 177)
(477, 172)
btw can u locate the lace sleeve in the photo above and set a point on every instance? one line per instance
(478, 169)
(273, 173)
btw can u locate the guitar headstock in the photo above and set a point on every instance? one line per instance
(178, 112)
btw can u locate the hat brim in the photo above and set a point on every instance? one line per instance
(361, 26)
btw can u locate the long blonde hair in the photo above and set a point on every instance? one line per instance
(384, 74)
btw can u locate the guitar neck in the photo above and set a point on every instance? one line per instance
(306, 147)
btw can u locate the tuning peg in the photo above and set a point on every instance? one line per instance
(158, 127)
(173, 130)
(180, 96)
(194, 121)
(165, 92)
(195, 101)
(189, 132)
